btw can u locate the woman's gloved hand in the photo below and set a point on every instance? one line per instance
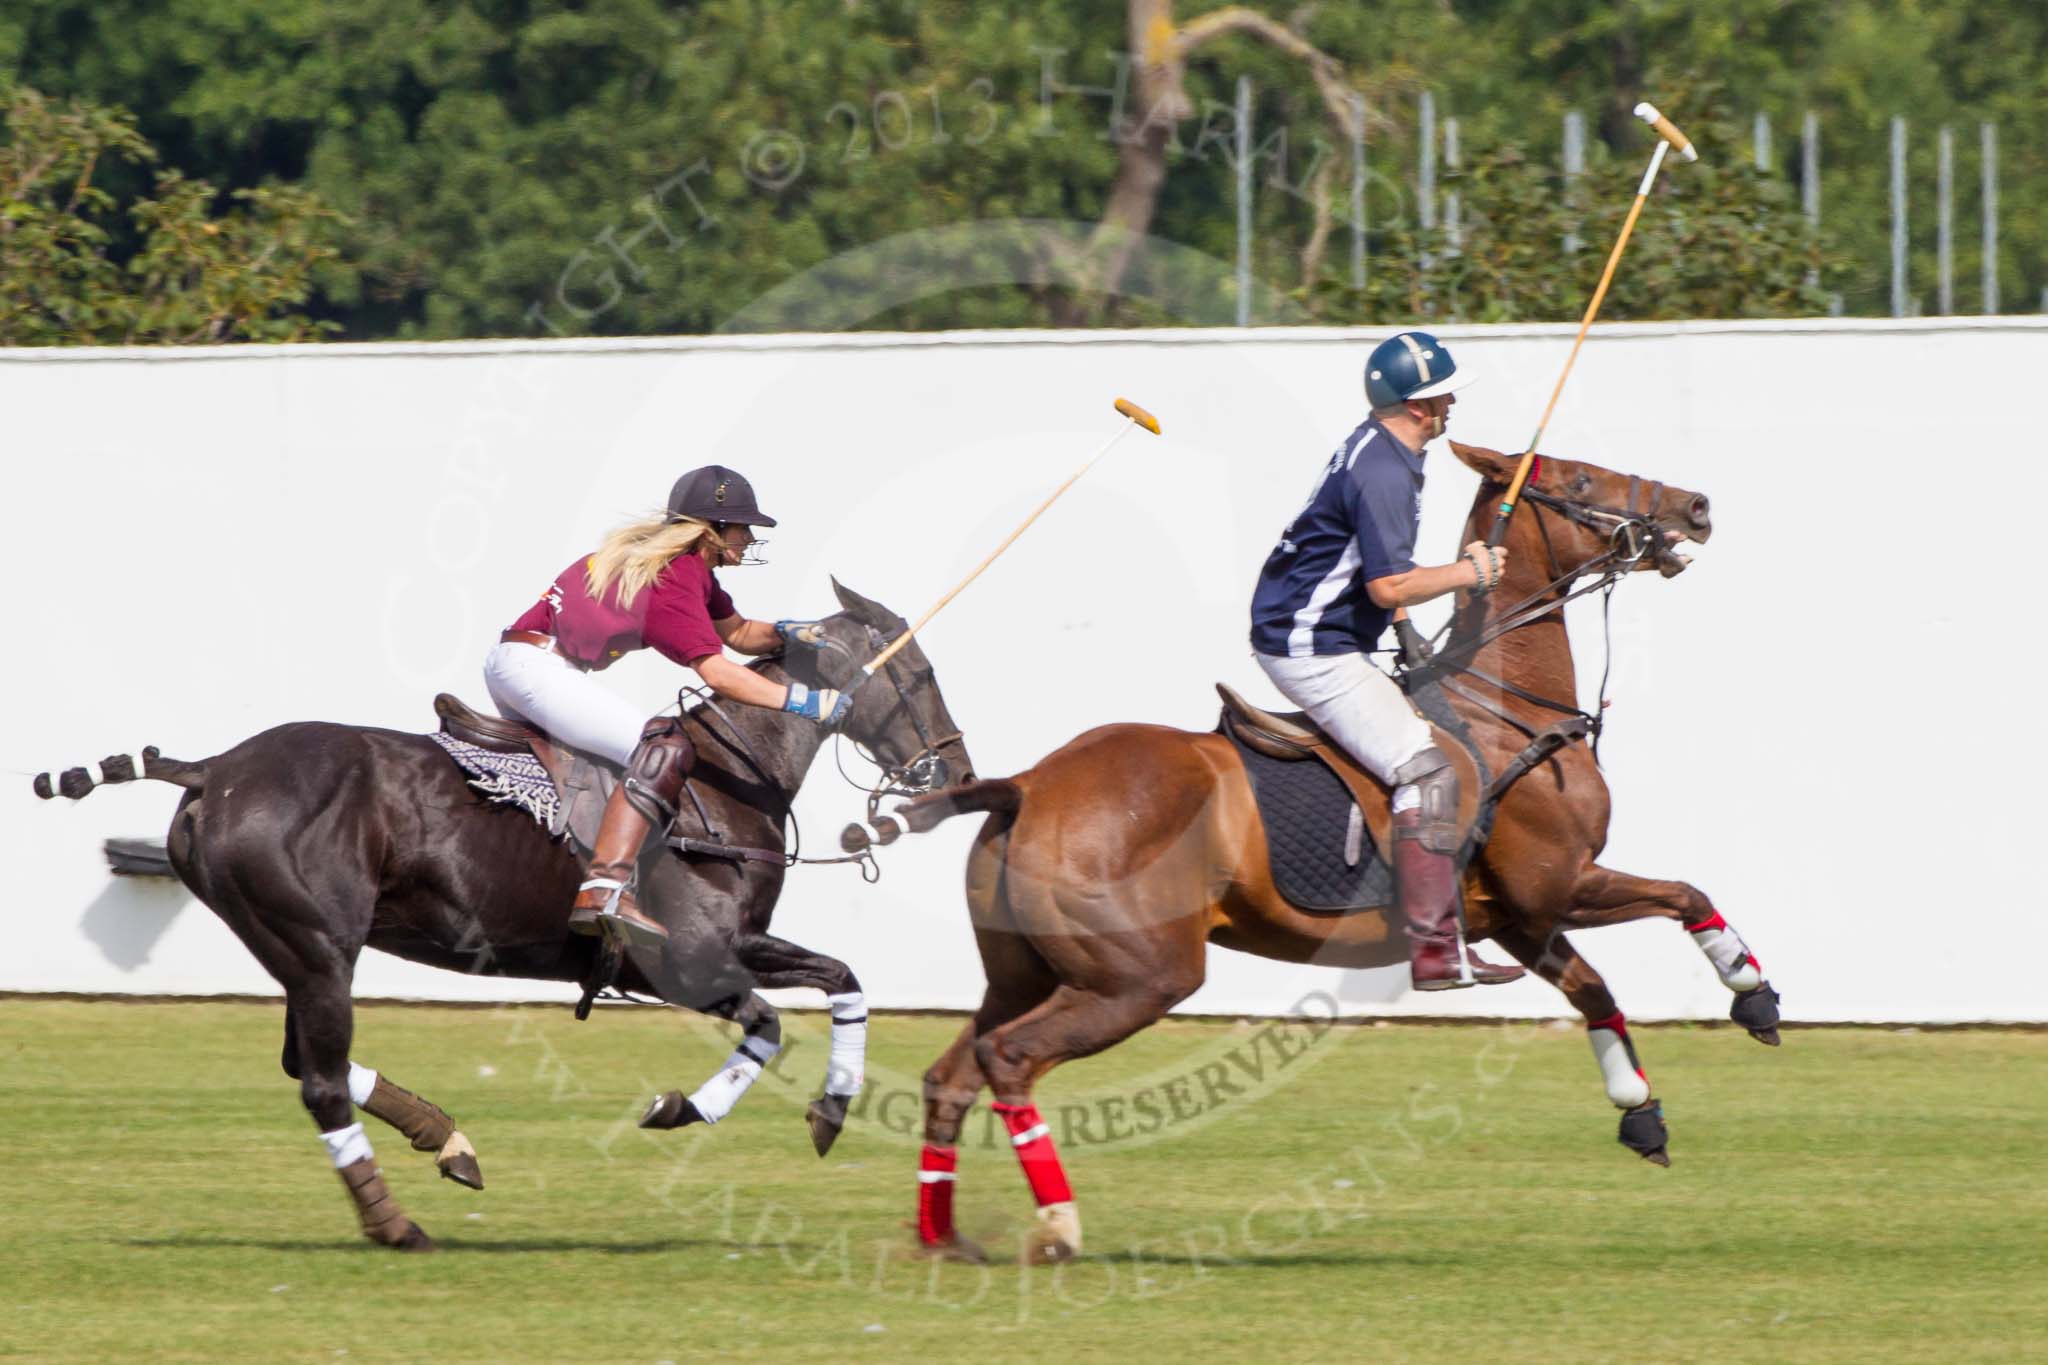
(821, 704)
(809, 634)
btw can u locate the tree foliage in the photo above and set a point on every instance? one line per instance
(513, 167)
(75, 266)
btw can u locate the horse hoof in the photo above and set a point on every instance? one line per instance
(959, 1250)
(1757, 1011)
(410, 1237)
(670, 1110)
(457, 1162)
(826, 1115)
(1056, 1237)
(1643, 1132)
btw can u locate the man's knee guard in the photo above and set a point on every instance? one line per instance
(657, 769)
(1433, 818)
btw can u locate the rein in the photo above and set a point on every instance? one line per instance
(911, 778)
(1630, 537)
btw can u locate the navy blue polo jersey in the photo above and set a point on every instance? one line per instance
(1358, 525)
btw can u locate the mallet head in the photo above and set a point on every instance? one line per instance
(1667, 130)
(1138, 415)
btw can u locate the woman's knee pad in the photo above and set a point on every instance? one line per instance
(660, 763)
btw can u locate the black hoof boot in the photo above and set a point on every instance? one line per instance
(1757, 1011)
(1643, 1132)
(826, 1115)
(670, 1110)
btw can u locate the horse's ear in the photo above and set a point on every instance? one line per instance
(1488, 464)
(863, 610)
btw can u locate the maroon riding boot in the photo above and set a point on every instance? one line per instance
(1426, 883)
(608, 894)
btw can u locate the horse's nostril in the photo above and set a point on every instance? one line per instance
(1697, 513)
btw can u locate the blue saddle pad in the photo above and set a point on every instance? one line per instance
(1307, 812)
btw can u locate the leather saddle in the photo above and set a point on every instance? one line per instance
(1293, 737)
(583, 783)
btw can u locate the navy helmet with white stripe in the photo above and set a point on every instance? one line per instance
(1410, 365)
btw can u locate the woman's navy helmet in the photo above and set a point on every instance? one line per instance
(1410, 365)
(716, 494)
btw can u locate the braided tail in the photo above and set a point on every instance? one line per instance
(1000, 794)
(75, 784)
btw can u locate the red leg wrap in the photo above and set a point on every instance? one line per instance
(1032, 1137)
(935, 1167)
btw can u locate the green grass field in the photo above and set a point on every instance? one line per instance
(1390, 1193)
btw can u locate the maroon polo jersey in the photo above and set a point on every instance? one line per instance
(673, 615)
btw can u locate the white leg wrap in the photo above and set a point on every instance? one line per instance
(1626, 1085)
(361, 1081)
(847, 1070)
(347, 1146)
(1733, 962)
(715, 1098)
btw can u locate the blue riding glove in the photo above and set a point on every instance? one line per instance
(821, 704)
(809, 634)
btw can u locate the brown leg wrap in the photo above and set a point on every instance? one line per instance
(424, 1124)
(383, 1221)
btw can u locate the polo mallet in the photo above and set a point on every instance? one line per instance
(1138, 418)
(1668, 137)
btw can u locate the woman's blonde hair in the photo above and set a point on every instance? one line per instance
(634, 555)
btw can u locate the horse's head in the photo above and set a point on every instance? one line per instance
(898, 715)
(1587, 516)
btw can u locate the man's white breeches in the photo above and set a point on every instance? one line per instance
(545, 690)
(1356, 704)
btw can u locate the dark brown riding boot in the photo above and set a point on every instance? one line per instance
(1426, 882)
(605, 903)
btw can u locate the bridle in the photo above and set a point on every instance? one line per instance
(1631, 535)
(922, 772)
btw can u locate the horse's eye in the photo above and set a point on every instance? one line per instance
(1582, 484)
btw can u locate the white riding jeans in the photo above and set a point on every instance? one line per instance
(548, 692)
(1357, 705)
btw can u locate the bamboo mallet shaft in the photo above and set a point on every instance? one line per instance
(1138, 418)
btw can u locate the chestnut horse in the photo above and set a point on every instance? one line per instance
(1102, 872)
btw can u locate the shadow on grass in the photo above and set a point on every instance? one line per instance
(1277, 1260)
(451, 1245)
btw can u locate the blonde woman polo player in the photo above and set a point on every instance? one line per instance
(653, 584)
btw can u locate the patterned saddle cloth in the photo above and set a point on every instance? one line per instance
(568, 802)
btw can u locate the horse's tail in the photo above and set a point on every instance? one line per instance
(76, 784)
(996, 794)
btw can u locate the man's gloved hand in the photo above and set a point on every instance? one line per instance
(821, 704)
(809, 634)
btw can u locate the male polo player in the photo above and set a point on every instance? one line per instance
(1327, 594)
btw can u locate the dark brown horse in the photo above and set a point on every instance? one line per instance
(313, 841)
(1102, 872)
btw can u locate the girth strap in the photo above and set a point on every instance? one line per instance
(1540, 747)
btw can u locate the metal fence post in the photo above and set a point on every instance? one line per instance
(1809, 182)
(1453, 202)
(1988, 135)
(1425, 196)
(1945, 222)
(1244, 201)
(1760, 138)
(1898, 217)
(1357, 191)
(1574, 166)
